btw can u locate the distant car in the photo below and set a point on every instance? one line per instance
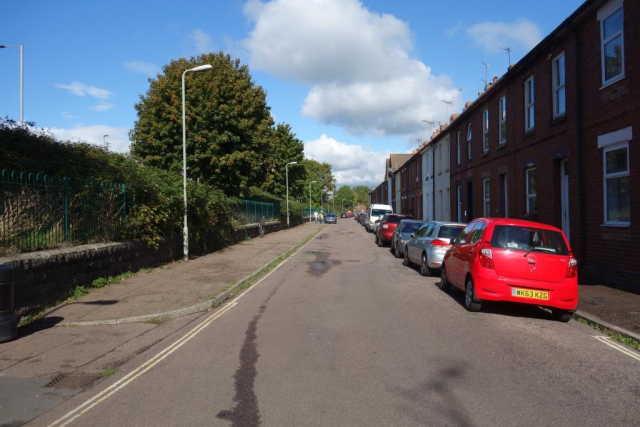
(388, 224)
(343, 215)
(364, 219)
(428, 245)
(331, 218)
(402, 234)
(501, 259)
(375, 213)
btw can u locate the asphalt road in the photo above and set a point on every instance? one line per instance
(343, 335)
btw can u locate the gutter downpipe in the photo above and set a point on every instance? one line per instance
(579, 148)
(433, 182)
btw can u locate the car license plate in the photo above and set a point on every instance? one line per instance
(528, 293)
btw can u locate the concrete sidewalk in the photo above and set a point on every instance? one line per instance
(56, 358)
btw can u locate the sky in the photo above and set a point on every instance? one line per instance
(355, 79)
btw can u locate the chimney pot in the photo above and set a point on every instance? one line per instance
(468, 104)
(495, 79)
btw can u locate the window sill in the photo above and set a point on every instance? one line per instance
(528, 133)
(613, 81)
(500, 146)
(622, 225)
(485, 153)
(558, 119)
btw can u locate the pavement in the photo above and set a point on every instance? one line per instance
(76, 343)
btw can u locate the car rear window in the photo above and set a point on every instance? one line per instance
(411, 226)
(528, 239)
(393, 219)
(379, 212)
(447, 232)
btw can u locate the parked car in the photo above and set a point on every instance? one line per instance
(402, 234)
(386, 227)
(364, 219)
(331, 218)
(376, 212)
(428, 245)
(500, 259)
(343, 215)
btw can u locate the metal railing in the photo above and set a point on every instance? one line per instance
(39, 211)
(251, 212)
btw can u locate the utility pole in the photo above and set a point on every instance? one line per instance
(508, 49)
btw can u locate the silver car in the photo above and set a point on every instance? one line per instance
(403, 233)
(429, 244)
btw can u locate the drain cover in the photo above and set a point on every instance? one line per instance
(72, 381)
(314, 253)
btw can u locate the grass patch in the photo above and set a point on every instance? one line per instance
(156, 320)
(608, 332)
(108, 372)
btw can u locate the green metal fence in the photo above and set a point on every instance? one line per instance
(251, 211)
(39, 211)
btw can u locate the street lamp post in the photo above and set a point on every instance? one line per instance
(310, 200)
(287, 174)
(2, 46)
(104, 141)
(185, 231)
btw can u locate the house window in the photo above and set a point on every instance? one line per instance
(617, 198)
(611, 42)
(486, 196)
(559, 102)
(502, 114)
(529, 110)
(469, 135)
(448, 154)
(458, 147)
(532, 192)
(485, 131)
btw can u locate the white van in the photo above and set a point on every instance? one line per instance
(376, 212)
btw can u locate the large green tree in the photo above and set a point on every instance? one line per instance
(345, 196)
(285, 148)
(229, 125)
(362, 194)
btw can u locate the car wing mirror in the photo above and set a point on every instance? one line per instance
(413, 235)
(452, 241)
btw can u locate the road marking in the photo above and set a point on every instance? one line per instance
(82, 409)
(124, 381)
(621, 348)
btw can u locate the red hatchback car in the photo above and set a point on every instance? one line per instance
(501, 259)
(388, 225)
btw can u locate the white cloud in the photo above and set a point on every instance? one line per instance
(142, 67)
(201, 40)
(102, 106)
(351, 164)
(118, 138)
(67, 115)
(358, 63)
(492, 36)
(82, 89)
(453, 30)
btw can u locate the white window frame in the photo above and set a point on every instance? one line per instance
(502, 119)
(557, 86)
(469, 137)
(530, 196)
(606, 176)
(529, 104)
(459, 159)
(486, 205)
(459, 202)
(485, 131)
(603, 14)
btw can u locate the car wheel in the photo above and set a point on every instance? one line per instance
(405, 260)
(424, 268)
(379, 241)
(561, 315)
(393, 248)
(397, 252)
(471, 303)
(444, 283)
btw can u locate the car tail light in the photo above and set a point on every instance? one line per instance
(385, 226)
(572, 268)
(436, 242)
(486, 256)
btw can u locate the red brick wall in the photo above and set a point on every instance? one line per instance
(612, 254)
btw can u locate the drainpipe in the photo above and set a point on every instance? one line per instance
(581, 208)
(433, 182)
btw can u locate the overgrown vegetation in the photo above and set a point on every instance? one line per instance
(608, 332)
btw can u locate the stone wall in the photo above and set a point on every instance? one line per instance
(44, 278)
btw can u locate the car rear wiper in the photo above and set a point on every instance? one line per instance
(542, 248)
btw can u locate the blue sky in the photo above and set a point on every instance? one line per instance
(355, 79)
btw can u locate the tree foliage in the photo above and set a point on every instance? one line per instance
(345, 196)
(230, 134)
(362, 194)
